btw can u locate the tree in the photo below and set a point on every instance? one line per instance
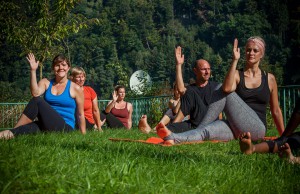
(40, 26)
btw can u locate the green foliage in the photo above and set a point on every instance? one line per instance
(155, 89)
(141, 35)
(121, 73)
(157, 110)
(37, 26)
(11, 92)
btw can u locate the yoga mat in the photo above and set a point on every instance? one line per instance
(159, 141)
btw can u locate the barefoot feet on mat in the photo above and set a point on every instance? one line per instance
(246, 145)
(162, 131)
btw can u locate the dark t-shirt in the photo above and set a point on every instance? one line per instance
(196, 100)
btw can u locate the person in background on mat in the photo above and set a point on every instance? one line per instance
(56, 111)
(169, 116)
(118, 112)
(91, 109)
(288, 142)
(243, 97)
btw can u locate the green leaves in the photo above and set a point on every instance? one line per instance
(40, 26)
(141, 35)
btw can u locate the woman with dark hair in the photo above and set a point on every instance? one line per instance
(118, 112)
(56, 111)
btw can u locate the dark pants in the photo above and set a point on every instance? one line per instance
(294, 139)
(180, 127)
(111, 120)
(48, 119)
(89, 126)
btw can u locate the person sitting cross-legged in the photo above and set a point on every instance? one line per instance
(56, 110)
(118, 112)
(168, 117)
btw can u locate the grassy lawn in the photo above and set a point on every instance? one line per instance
(72, 163)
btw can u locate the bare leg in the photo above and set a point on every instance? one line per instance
(23, 121)
(102, 122)
(179, 117)
(162, 132)
(7, 134)
(165, 120)
(143, 125)
(247, 147)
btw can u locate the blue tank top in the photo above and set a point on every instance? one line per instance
(256, 98)
(64, 104)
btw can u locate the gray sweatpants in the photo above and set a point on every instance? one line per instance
(240, 118)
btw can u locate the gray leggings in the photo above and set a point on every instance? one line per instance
(240, 118)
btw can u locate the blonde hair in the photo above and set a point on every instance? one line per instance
(76, 71)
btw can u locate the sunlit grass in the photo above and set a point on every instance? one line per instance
(72, 163)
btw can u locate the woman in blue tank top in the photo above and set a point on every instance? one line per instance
(56, 111)
(243, 97)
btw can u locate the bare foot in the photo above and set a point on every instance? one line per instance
(143, 125)
(246, 145)
(162, 131)
(286, 152)
(6, 134)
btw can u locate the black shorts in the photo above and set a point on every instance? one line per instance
(293, 141)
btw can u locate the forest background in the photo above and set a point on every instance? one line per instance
(111, 39)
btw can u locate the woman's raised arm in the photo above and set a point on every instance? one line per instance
(36, 89)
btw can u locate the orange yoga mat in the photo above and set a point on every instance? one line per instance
(159, 141)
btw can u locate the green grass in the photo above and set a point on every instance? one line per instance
(72, 163)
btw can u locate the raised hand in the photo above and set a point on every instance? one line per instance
(236, 51)
(179, 56)
(115, 96)
(33, 63)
